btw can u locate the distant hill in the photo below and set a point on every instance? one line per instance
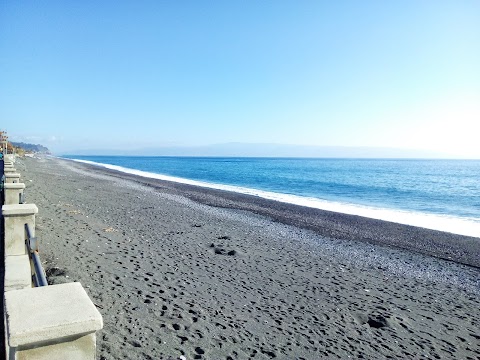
(270, 150)
(31, 147)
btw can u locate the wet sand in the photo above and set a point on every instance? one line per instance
(178, 270)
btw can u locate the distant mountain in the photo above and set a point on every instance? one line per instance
(31, 147)
(269, 150)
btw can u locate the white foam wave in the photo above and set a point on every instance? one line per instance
(456, 225)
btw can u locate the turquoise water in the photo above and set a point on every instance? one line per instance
(440, 189)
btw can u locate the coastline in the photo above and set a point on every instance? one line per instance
(454, 247)
(440, 222)
(180, 271)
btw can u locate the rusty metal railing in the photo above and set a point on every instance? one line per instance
(38, 274)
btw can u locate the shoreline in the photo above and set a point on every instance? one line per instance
(176, 271)
(438, 222)
(448, 246)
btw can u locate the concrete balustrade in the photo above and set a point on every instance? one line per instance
(13, 192)
(15, 217)
(12, 178)
(51, 322)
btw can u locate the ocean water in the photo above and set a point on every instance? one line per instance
(436, 194)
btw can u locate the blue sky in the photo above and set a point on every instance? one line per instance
(133, 74)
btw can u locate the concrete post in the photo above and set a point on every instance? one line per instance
(51, 322)
(13, 192)
(12, 178)
(18, 274)
(16, 216)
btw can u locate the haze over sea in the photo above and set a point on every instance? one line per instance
(437, 194)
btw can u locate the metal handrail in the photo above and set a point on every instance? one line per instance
(38, 275)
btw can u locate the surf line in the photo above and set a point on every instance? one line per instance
(456, 225)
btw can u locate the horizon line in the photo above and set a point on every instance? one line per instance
(271, 157)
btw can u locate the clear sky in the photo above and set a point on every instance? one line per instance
(113, 74)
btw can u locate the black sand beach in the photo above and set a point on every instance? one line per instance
(178, 270)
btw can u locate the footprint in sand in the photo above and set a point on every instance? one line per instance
(374, 321)
(219, 250)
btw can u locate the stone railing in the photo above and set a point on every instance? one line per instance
(48, 322)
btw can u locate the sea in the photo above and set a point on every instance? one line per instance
(435, 194)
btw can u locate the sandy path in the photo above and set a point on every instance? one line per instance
(174, 277)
